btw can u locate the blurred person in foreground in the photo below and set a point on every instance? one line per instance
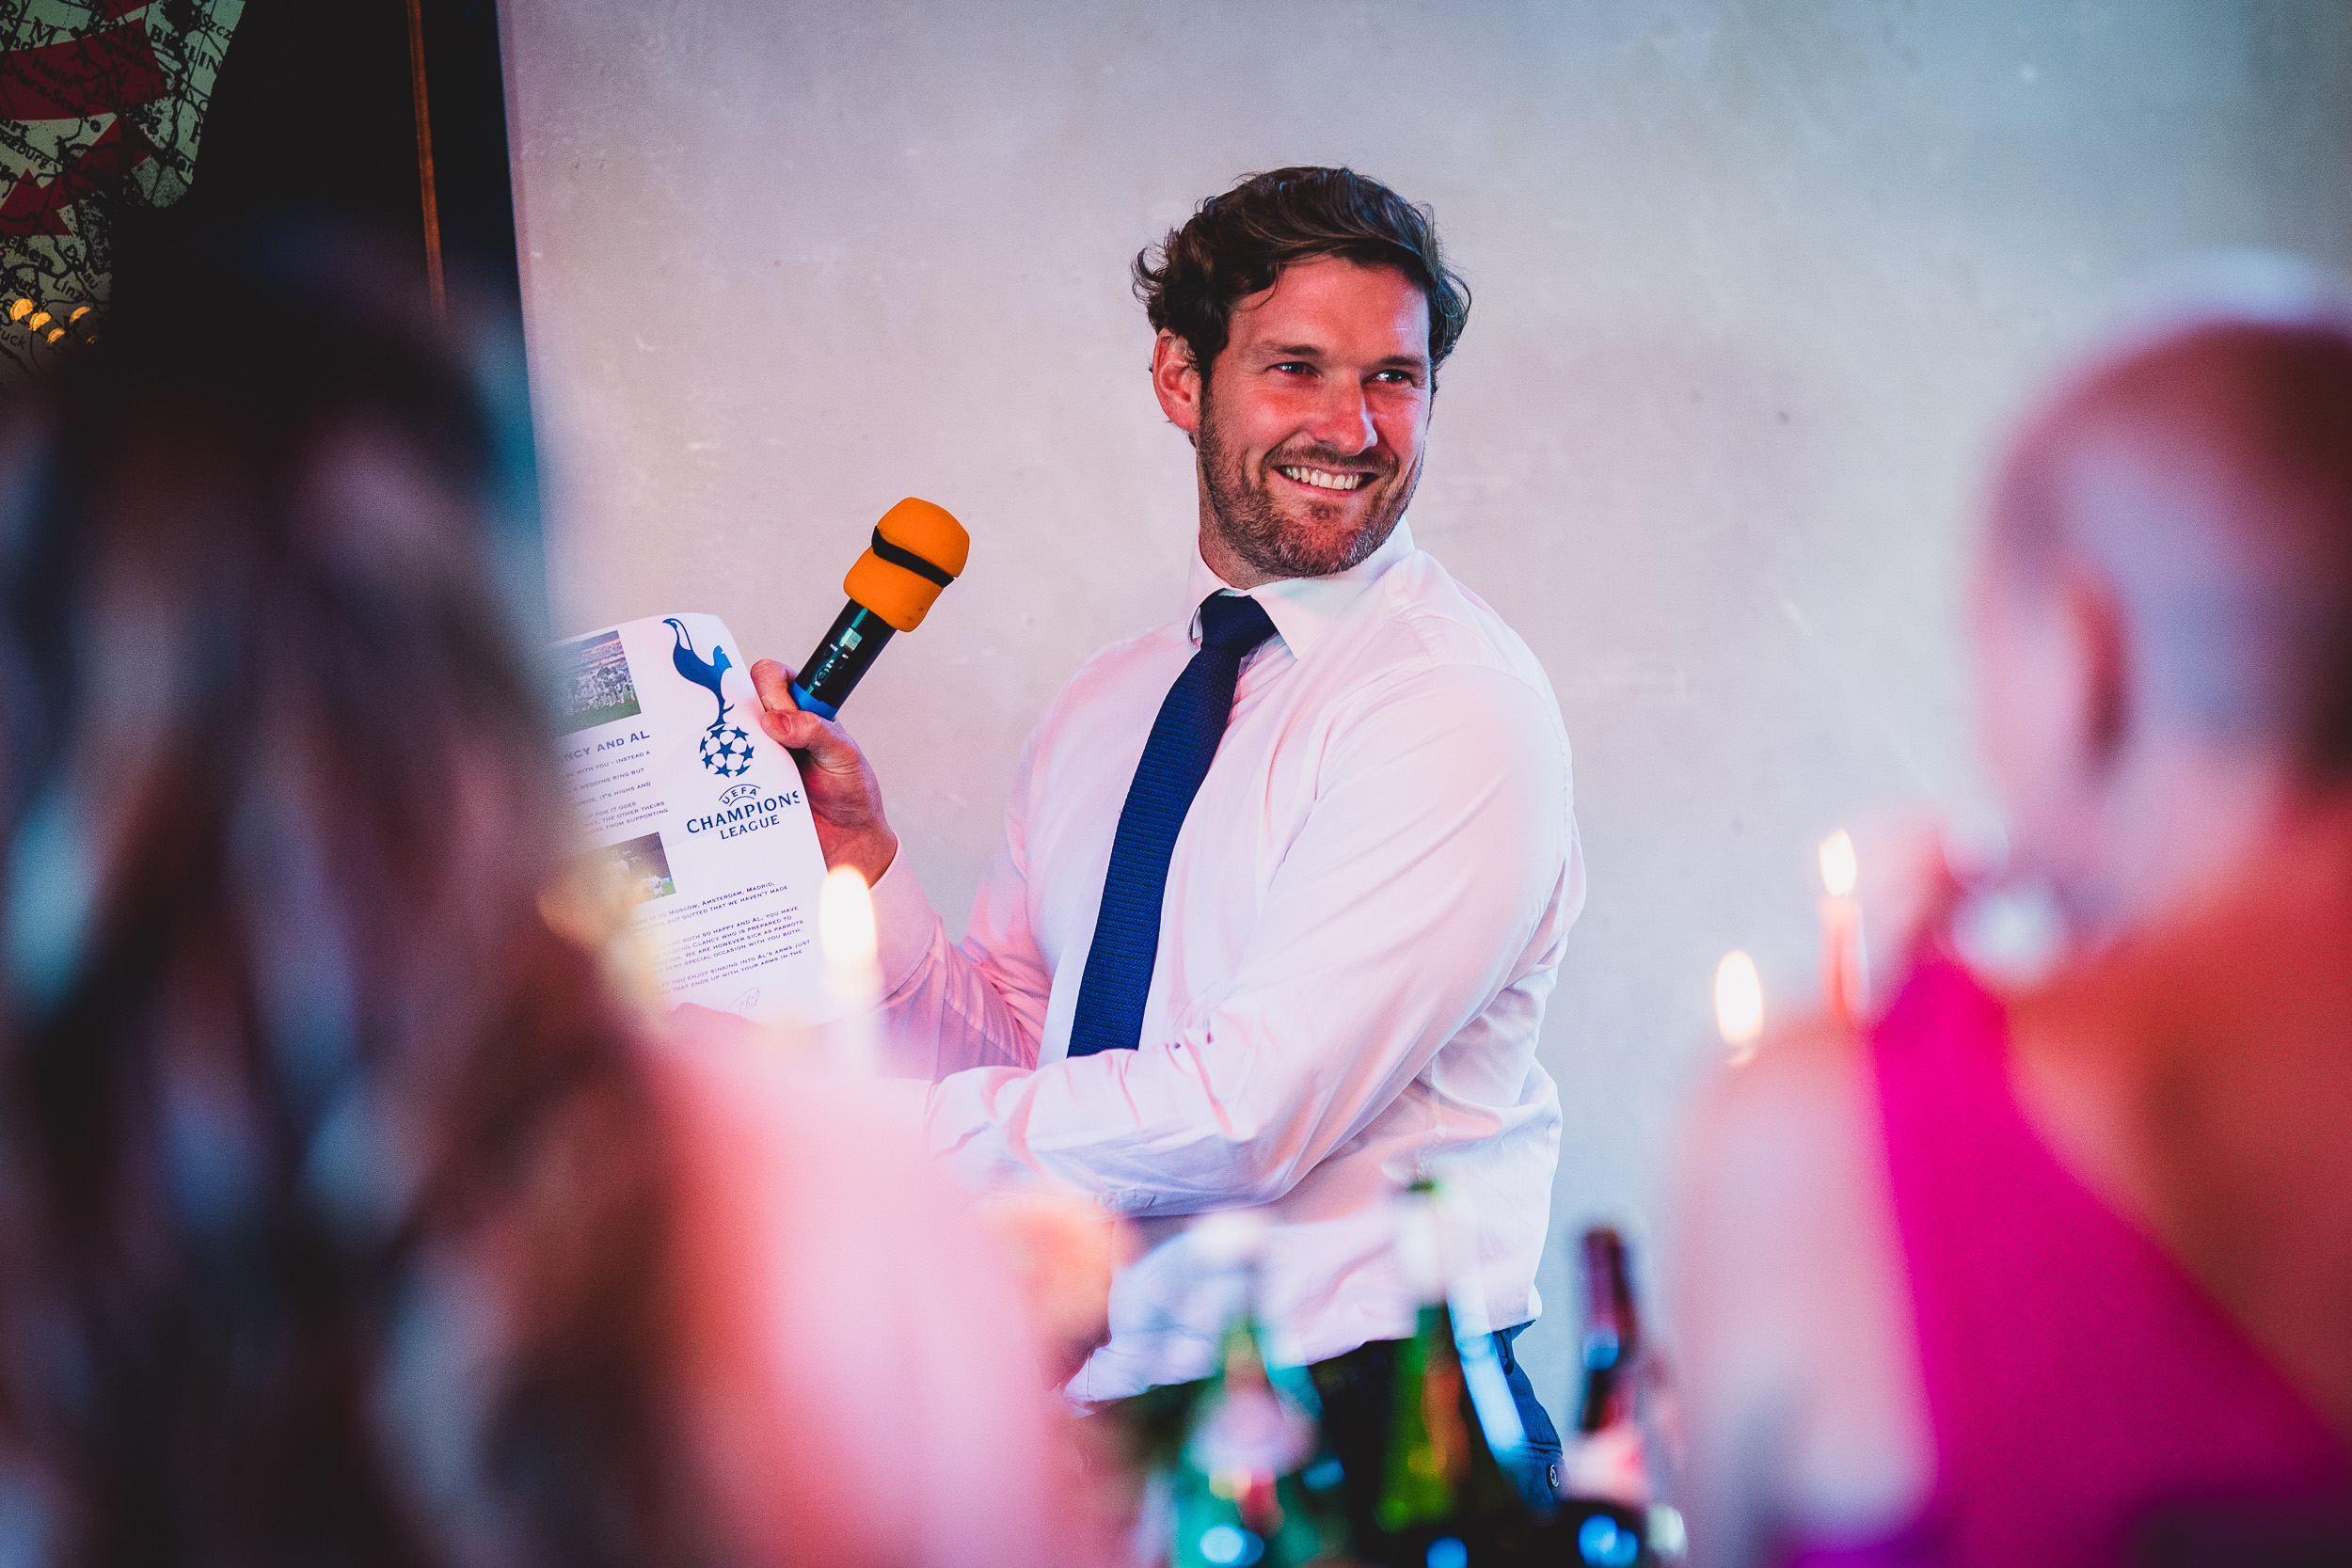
(2061, 1273)
(346, 1214)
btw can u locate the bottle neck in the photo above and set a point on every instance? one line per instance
(1612, 1333)
(1606, 1397)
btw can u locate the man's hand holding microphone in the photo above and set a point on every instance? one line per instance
(843, 794)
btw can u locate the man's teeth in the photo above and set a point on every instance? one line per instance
(1323, 479)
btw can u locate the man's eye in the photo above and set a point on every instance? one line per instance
(1296, 367)
(1397, 379)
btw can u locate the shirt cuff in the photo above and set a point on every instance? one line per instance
(905, 924)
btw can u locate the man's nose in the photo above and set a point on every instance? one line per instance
(1342, 418)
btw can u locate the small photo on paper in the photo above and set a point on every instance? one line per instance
(593, 685)
(643, 865)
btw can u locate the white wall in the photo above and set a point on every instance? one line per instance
(1755, 284)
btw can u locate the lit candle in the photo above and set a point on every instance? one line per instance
(1843, 983)
(845, 932)
(1739, 1004)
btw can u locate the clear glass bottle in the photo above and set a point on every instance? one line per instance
(1254, 1486)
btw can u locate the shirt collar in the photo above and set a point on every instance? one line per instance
(1303, 608)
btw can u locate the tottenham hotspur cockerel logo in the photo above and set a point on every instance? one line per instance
(727, 751)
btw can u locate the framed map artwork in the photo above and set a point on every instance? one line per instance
(389, 113)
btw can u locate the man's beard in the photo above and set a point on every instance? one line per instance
(1313, 540)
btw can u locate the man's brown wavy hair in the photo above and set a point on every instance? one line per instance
(1238, 244)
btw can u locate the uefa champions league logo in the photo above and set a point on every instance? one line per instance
(726, 750)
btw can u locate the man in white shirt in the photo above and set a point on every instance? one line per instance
(1286, 881)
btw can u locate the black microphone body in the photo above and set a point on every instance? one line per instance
(840, 661)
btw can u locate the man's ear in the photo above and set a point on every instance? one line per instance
(2098, 654)
(1176, 381)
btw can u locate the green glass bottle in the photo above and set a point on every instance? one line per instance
(1428, 1448)
(1445, 1494)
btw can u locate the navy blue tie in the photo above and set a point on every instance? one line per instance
(1175, 760)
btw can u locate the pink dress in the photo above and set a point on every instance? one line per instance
(2089, 1402)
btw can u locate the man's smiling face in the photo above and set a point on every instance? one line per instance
(1311, 423)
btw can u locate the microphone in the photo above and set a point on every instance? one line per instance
(918, 549)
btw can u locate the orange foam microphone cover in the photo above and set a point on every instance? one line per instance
(897, 590)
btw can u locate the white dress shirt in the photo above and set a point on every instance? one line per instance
(1364, 915)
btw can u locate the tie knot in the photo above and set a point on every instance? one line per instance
(1233, 624)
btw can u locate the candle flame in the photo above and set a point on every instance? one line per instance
(1838, 863)
(1739, 1001)
(844, 918)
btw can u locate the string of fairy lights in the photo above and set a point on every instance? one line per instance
(79, 324)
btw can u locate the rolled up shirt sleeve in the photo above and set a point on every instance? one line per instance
(1438, 865)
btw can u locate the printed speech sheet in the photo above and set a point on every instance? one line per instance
(682, 790)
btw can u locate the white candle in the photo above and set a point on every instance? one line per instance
(845, 932)
(1843, 982)
(1739, 1004)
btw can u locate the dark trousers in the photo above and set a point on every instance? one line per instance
(1543, 1438)
(1356, 1390)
